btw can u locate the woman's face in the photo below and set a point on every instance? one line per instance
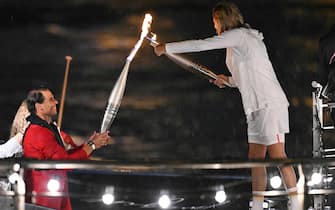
(217, 26)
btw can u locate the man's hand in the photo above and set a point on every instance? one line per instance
(160, 49)
(101, 139)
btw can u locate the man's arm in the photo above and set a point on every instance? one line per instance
(40, 143)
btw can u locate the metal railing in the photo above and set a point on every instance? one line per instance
(177, 167)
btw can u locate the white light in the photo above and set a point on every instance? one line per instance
(316, 178)
(220, 196)
(53, 185)
(164, 201)
(310, 183)
(13, 178)
(328, 179)
(265, 205)
(275, 182)
(16, 167)
(108, 198)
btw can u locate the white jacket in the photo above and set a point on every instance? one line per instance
(248, 62)
(11, 147)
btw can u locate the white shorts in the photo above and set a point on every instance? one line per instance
(268, 126)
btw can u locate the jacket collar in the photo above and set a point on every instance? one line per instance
(34, 119)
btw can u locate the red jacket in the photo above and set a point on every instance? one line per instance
(43, 141)
(40, 142)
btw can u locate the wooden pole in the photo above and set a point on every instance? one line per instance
(61, 106)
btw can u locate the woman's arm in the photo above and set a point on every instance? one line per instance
(12, 146)
(227, 39)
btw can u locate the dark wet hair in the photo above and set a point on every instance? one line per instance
(35, 96)
(229, 15)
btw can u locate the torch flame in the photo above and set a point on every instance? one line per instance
(118, 90)
(145, 30)
(146, 25)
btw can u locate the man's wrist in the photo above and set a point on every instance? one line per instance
(91, 144)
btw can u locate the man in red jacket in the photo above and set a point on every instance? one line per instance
(43, 141)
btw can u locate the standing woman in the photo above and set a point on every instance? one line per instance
(264, 102)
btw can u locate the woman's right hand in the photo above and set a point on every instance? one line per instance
(220, 80)
(160, 49)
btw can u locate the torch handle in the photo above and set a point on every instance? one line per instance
(196, 68)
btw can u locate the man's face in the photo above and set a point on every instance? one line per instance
(48, 107)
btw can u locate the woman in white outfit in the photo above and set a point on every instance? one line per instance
(265, 104)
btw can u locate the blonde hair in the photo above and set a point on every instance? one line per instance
(229, 15)
(20, 123)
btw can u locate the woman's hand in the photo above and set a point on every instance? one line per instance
(160, 49)
(220, 81)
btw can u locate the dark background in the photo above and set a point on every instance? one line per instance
(167, 112)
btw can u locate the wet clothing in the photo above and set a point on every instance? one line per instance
(43, 141)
